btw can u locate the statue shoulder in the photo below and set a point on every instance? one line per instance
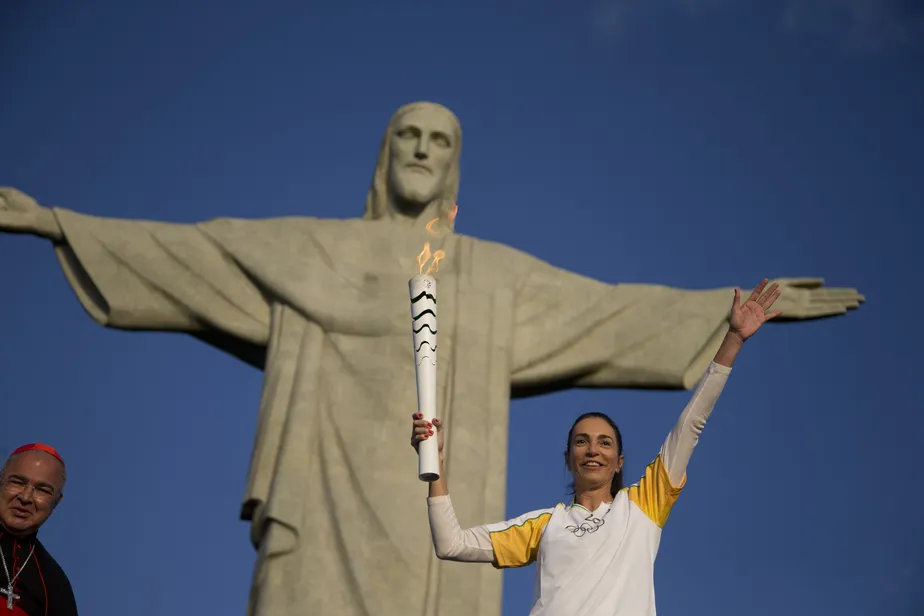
(278, 228)
(513, 259)
(282, 239)
(498, 260)
(516, 267)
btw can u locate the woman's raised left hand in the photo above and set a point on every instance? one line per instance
(745, 319)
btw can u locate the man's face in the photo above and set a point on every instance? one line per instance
(30, 488)
(422, 148)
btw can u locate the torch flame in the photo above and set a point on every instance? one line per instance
(423, 257)
(435, 266)
(425, 254)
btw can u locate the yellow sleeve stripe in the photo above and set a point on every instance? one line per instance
(518, 546)
(654, 494)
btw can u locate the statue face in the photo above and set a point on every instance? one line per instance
(421, 147)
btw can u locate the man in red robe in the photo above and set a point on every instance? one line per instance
(31, 582)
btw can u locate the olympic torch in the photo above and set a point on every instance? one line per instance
(423, 323)
(423, 319)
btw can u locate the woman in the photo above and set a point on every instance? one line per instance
(596, 556)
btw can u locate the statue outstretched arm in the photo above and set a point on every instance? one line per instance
(574, 331)
(142, 275)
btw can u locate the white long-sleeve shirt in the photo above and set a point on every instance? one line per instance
(590, 563)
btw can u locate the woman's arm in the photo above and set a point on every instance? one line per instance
(658, 489)
(449, 540)
(513, 543)
(744, 321)
(678, 447)
(472, 545)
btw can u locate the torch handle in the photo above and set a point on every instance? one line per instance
(423, 323)
(428, 454)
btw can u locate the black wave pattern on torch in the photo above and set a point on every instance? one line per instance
(422, 295)
(425, 331)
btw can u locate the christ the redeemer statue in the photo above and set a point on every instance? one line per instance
(321, 306)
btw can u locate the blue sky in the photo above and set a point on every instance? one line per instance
(691, 143)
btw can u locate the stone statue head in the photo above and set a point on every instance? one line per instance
(418, 163)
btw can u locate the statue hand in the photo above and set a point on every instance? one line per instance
(19, 213)
(805, 298)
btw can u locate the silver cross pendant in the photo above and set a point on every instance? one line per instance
(10, 596)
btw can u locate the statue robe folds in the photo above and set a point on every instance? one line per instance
(322, 307)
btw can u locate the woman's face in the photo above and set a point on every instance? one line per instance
(593, 455)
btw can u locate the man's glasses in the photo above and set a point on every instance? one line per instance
(16, 485)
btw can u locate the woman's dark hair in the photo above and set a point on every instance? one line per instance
(616, 486)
